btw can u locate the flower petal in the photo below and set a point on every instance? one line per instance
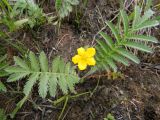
(91, 61)
(81, 51)
(90, 52)
(82, 65)
(76, 59)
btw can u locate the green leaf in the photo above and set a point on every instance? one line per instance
(73, 2)
(111, 63)
(149, 4)
(65, 7)
(3, 58)
(114, 30)
(128, 55)
(20, 23)
(137, 14)
(29, 85)
(17, 76)
(18, 106)
(69, 79)
(143, 38)
(125, 21)
(55, 64)
(7, 5)
(157, 18)
(63, 12)
(110, 117)
(2, 34)
(103, 46)
(43, 84)
(58, 4)
(43, 62)
(138, 46)
(63, 84)
(68, 68)
(15, 69)
(2, 115)
(21, 63)
(105, 66)
(120, 59)
(3, 65)
(2, 87)
(147, 24)
(53, 85)
(61, 66)
(147, 15)
(107, 39)
(34, 62)
(3, 74)
(68, 7)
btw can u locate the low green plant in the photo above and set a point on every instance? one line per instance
(11, 21)
(20, 13)
(48, 78)
(27, 12)
(5, 18)
(5, 6)
(109, 117)
(110, 51)
(2, 115)
(2, 87)
(61, 75)
(3, 65)
(64, 7)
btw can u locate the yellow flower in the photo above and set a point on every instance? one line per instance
(84, 58)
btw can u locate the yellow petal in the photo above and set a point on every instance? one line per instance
(76, 59)
(90, 52)
(82, 65)
(91, 61)
(81, 51)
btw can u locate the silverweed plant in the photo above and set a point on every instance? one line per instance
(49, 77)
(21, 12)
(27, 12)
(64, 7)
(105, 55)
(113, 49)
(37, 70)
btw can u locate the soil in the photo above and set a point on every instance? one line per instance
(133, 97)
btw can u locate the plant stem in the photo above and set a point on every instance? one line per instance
(19, 105)
(95, 88)
(69, 96)
(78, 95)
(59, 100)
(65, 104)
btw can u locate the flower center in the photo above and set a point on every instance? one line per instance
(84, 57)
